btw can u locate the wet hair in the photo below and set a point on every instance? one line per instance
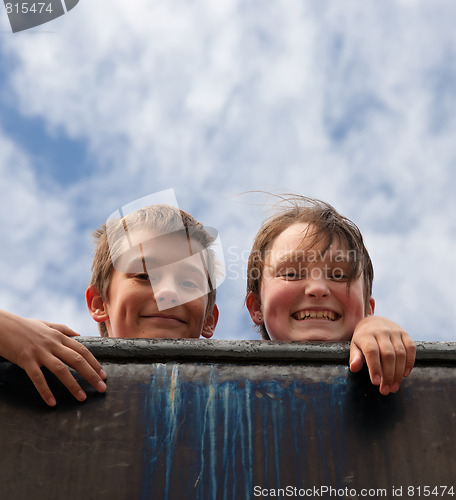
(160, 218)
(326, 226)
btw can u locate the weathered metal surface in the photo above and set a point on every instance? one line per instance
(229, 420)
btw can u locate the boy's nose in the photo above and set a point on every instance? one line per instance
(165, 295)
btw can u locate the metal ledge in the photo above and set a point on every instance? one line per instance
(245, 351)
(210, 419)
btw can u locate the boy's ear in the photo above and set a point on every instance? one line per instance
(370, 307)
(253, 304)
(96, 305)
(210, 323)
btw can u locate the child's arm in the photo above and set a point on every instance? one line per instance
(33, 344)
(387, 349)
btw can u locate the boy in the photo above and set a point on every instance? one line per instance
(309, 277)
(154, 276)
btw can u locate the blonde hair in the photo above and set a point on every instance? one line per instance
(328, 225)
(161, 218)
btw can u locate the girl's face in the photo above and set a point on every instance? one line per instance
(304, 292)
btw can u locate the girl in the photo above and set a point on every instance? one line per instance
(309, 277)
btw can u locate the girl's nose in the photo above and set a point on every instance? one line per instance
(317, 285)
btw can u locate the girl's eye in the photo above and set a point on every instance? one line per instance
(290, 275)
(338, 275)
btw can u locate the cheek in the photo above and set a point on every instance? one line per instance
(277, 295)
(355, 306)
(276, 300)
(197, 310)
(126, 298)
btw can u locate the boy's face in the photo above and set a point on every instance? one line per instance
(159, 291)
(304, 293)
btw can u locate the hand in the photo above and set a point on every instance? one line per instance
(387, 349)
(33, 344)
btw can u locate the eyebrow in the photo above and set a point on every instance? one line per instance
(152, 262)
(136, 260)
(194, 269)
(288, 258)
(289, 264)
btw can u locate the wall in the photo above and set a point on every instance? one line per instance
(230, 420)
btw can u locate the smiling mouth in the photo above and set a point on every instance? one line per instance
(167, 318)
(309, 314)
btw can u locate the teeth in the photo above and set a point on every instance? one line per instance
(328, 315)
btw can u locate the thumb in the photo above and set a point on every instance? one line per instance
(356, 358)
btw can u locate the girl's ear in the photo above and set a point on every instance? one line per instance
(371, 307)
(96, 305)
(210, 323)
(253, 304)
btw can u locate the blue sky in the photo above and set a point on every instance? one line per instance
(352, 102)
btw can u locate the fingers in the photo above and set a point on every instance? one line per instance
(77, 357)
(33, 344)
(371, 353)
(80, 359)
(397, 357)
(58, 366)
(398, 364)
(410, 349)
(388, 350)
(36, 376)
(57, 352)
(390, 361)
(63, 374)
(66, 330)
(61, 371)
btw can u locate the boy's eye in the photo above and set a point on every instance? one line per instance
(188, 284)
(142, 276)
(192, 283)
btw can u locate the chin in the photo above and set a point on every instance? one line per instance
(147, 335)
(159, 335)
(317, 336)
(167, 334)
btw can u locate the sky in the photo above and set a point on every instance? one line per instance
(352, 102)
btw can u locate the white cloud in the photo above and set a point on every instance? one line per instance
(352, 102)
(40, 265)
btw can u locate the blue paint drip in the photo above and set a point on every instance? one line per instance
(248, 485)
(166, 420)
(202, 435)
(161, 433)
